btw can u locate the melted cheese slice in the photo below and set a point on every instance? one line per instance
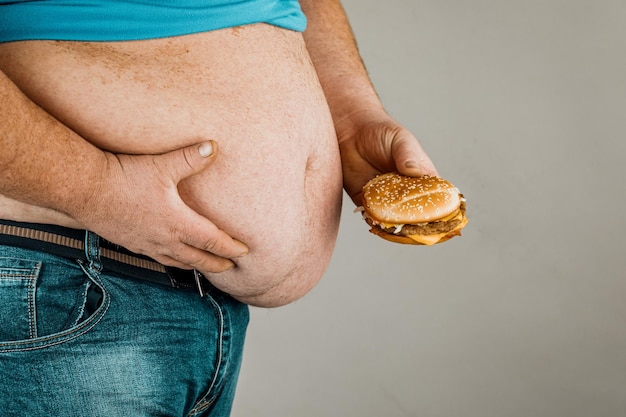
(427, 239)
(433, 239)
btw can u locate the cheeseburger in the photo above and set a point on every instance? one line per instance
(420, 211)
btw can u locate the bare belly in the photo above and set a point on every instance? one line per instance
(276, 184)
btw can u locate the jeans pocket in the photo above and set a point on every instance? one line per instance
(18, 279)
(45, 302)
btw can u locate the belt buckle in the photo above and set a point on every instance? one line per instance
(198, 277)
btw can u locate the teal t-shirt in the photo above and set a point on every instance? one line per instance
(113, 20)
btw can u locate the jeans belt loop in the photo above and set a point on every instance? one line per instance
(92, 250)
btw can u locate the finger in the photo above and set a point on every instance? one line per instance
(194, 258)
(187, 257)
(410, 158)
(169, 261)
(207, 237)
(185, 162)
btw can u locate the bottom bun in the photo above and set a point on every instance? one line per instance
(408, 241)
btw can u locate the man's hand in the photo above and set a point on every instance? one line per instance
(372, 143)
(137, 205)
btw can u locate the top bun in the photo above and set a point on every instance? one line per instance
(395, 198)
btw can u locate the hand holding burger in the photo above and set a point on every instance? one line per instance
(413, 210)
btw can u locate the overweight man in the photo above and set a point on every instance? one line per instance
(165, 165)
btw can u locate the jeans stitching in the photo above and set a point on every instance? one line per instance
(203, 403)
(32, 310)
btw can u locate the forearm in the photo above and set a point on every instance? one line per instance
(370, 141)
(43, 162)
(339, 66)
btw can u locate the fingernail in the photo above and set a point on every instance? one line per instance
(206, 149)
(243, 249)
(411, 164)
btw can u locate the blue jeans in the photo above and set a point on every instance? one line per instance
(78, 342)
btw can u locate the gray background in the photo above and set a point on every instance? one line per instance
(521, 104)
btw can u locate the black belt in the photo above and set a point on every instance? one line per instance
(70, 243)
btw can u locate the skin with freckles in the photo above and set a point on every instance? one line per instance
(105, 136)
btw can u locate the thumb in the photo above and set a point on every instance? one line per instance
(185, 162)
(410, 158)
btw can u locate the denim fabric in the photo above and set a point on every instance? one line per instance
(75, 341)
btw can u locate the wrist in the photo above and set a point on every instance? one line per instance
(76, 198)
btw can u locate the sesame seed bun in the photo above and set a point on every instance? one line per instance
(424, 210)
